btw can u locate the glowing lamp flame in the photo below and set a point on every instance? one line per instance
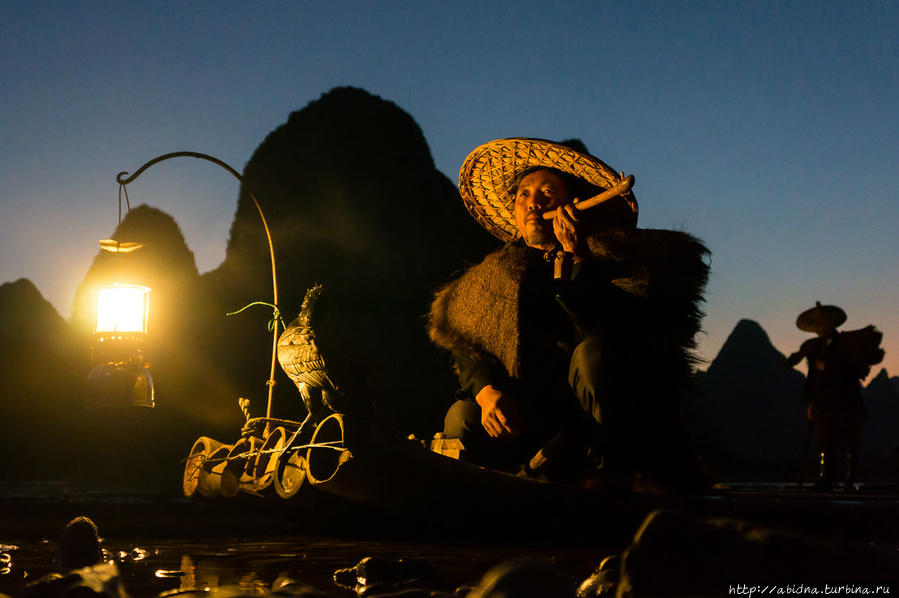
(122, 308)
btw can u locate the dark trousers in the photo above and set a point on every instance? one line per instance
(838, 442)
(633, 424)
(571, 406)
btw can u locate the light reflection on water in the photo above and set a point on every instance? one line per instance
(156, 568)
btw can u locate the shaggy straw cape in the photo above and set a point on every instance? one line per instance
(486, 177)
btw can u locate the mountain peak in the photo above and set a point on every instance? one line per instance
(161, 235)
(882, 376)
(747, 347)
(18, 290)
(881, 386)
(749, 327)
(25, 312)
(746, 390)
(165, 264)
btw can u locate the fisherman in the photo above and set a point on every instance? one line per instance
(573, 342)
(837, 361)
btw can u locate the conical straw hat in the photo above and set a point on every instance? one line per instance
(486, 178)
(821, 318)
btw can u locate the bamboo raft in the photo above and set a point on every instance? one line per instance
(262, 462)
(349, 458)
(341, 457)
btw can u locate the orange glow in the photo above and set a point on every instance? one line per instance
(122, 308)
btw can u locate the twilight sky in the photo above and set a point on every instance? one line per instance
(768, 129)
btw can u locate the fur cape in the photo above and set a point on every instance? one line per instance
(660, 274)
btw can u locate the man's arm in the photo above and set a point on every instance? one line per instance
(483, 380)
(793, 359)
(499, 414)
(566, 228)
(806, 349)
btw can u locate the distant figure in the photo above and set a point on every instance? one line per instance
(837, 362)
(573, 341)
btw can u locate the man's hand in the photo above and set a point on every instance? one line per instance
(499, 414)
(566, 228)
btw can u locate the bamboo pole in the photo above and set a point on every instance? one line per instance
(622, 187)
(123, 179)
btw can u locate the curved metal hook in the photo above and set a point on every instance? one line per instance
(123, 180)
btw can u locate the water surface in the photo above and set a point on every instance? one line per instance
(150, 568)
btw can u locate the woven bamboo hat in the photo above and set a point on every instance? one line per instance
(487, 175)
(821, 318)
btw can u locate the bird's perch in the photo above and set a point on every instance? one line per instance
(623, 186)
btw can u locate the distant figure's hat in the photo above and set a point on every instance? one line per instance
(821, 318)
(487, 175)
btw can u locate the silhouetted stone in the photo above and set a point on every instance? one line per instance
(603, 582)
(287, 586)
(524, 578)
(386, 573)
(79, 546)
(100, 580)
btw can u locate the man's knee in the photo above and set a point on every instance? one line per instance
(586, 368)
(462, 419)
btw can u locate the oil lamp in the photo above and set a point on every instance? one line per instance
(122, 376)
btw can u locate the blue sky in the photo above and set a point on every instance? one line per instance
(768, 129)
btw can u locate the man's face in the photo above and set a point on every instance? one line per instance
(538, 192)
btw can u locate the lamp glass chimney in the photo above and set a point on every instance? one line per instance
(122, 308)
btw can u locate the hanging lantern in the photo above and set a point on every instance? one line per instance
(121, 377)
